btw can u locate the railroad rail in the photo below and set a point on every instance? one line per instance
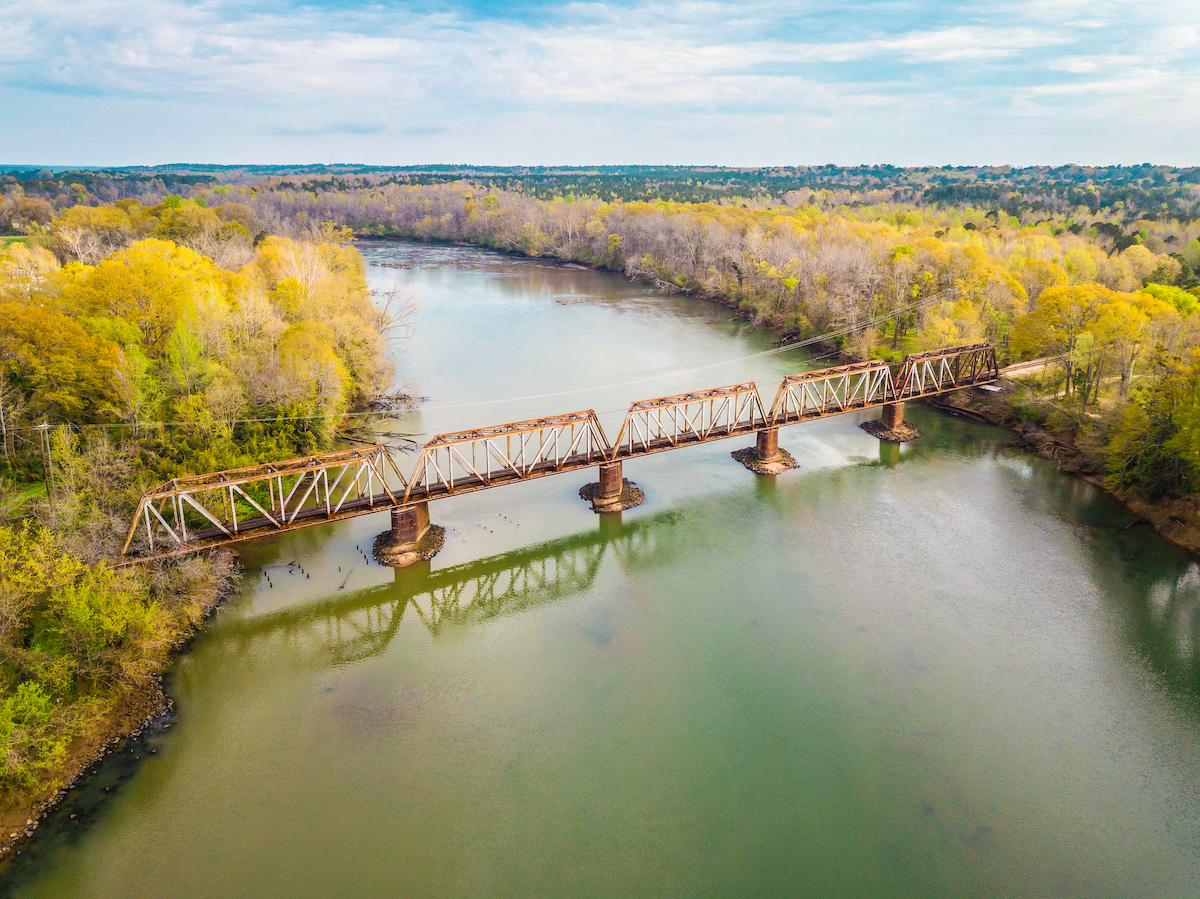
(190, 514)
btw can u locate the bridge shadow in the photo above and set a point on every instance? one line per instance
(350, 627)
(361, 624)
(1152, 585)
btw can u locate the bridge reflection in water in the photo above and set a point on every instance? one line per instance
(1156, 590)
(361, 624)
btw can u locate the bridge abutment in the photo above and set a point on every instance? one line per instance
(765, 457)
(411, 538)
(613, 492)
(891, 426)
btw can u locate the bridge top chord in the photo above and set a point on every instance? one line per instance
(947, 352)
(191, 513)
(837, 371)
(285, 468)
(679, 399)
(583, 417)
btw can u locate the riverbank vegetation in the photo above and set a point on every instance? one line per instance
(1091, 269)
(1109, 304)
(154, 341)
(223, 324)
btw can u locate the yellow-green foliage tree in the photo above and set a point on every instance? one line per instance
(63, 371)
(150, 284)
(1060, 328)
(136, 329)
(881, 275)
(1154, 445)
(74, 639)
(1090, 331)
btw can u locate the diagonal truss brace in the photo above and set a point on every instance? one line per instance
(668, 422)
(186, 510)
(499, 454)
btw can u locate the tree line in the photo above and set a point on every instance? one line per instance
(154, 340)
(239, 314)
(1113, 310)
(1123, 193)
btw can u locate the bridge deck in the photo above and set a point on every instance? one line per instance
(348, 483)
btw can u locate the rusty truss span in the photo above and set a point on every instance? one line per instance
(195, 513)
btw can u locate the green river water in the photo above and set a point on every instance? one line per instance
(944, 670)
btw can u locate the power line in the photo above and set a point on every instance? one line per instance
(799, 344)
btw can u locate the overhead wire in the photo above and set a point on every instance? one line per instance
(783, 348)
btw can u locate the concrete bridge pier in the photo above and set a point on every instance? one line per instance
(612, 493)
(411, 537)
(409, 523)
(765, 457)
(766, 445)
(892, 415)
(891, 426)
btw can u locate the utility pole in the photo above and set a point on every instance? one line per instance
(47, 469)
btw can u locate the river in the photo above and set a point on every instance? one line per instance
(942, 670)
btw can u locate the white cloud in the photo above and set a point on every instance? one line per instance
(309, 70)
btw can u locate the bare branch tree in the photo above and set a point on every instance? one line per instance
(398, 308)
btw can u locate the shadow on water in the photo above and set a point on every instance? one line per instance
(1152, 585)
(1158, 591)
(360, 625)
(85, 804)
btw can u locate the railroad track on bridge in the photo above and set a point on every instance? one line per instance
(190, 514)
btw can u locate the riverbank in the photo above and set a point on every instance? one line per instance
(1177, 519)
(23, 810)
(448, 733)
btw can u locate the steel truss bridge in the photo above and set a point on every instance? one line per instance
(195, 513)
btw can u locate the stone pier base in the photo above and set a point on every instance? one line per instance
(891, 426)
(631, 495)
(765, 457)
(411, 538)
(612, 493)
(748, 456)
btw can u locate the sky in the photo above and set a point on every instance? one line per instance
(744, 82)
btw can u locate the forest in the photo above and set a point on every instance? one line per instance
(1118, 193)
(189, 319)
(1108, 299)
(154, 341)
